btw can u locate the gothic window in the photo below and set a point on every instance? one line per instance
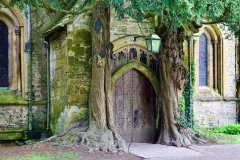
(133, 53)
(153, 65)
(143, 57)
(208, 55)
(121, 55)
(3, 55)
(203, 61)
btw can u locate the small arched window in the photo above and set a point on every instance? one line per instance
(203, 60)
(3, 55)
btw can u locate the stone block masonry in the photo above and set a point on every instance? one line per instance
(14, 118)
(208, 114)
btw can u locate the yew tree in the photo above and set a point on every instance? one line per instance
(167, 18)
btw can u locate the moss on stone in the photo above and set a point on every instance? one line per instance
(79, 51)
(71, 60)
(77, 39)
(69, 88)
(11, 136)
(69, 115)
(9, 97)
(77, 114)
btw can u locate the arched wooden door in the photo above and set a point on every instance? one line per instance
(135, 107)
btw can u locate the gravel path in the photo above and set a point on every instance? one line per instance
(212, 152)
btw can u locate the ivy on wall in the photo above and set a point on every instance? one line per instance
(186, 101)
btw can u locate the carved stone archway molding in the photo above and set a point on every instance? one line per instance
(135, 53)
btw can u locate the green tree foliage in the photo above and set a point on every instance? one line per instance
(170, 13)
(174, 13)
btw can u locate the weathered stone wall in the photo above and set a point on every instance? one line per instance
(39, 80)
(79, 61)
(13, 117)
(70, 73)
(123, 31)
(16, 117)
(214, 113)
(40, 17)
(229, 64)
(58, 72)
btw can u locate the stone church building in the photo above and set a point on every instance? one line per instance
(60, 69)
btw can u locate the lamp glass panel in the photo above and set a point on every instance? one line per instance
(155, 46)
(149, 46)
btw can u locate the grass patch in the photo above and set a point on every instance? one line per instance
(233, 129)
(46, 156)
(222, 135)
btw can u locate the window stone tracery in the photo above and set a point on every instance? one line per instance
(13, 59)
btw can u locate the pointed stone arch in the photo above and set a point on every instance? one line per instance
(139, 67)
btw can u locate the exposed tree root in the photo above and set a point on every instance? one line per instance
(93, 138)
(191, 136)
(102, 139)
(182, 137)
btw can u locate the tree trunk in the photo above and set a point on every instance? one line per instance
(102, 134)
(173, 77)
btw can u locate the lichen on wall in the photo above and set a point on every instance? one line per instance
(58, 72)
(68, 116)
(209, 114)
(70, 69)
(79, 53)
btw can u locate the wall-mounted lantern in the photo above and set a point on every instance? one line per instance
(153, 43)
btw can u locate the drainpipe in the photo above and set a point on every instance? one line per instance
(29, 53)
(48, 84)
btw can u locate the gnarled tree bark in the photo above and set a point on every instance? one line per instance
(102, 134)
(173, 77)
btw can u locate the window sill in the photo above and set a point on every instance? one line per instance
(207, 94)
(4, 88)
(11, 98)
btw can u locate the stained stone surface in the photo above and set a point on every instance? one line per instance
(16, 117)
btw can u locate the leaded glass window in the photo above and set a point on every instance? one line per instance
(203, 60)
(143, 57)
(3, 55)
